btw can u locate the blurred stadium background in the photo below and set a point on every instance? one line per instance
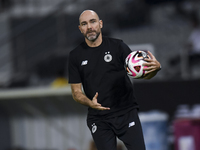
(38, 113)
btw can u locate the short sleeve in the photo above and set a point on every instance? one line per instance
(125, 51)
(74, 75)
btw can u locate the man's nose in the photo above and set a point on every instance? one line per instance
(89, 26)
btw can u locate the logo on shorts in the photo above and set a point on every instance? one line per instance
(131, 124)
(107, 57)
(94, 128)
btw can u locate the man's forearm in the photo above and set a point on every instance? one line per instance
(81, 98)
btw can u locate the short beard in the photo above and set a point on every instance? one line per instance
(93, 38)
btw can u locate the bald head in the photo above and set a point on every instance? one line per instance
(90, 26)
(86, 13)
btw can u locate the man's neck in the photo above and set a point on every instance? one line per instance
(95, 43)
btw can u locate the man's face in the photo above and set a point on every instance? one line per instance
(90, 25)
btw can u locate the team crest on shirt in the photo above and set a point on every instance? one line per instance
(94, 128)
(107, 57)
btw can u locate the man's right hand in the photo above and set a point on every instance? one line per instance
(96, 105)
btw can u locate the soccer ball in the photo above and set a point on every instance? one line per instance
(134, 64)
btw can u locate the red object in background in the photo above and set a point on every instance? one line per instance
(187, 134)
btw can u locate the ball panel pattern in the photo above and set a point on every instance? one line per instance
(134, 64)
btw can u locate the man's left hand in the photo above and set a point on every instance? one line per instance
(153, 66)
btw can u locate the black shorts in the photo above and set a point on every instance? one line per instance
(126, 127)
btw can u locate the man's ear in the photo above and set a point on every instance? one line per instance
(80, 28)
(101, 23)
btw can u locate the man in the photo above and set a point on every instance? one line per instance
(97, 64)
